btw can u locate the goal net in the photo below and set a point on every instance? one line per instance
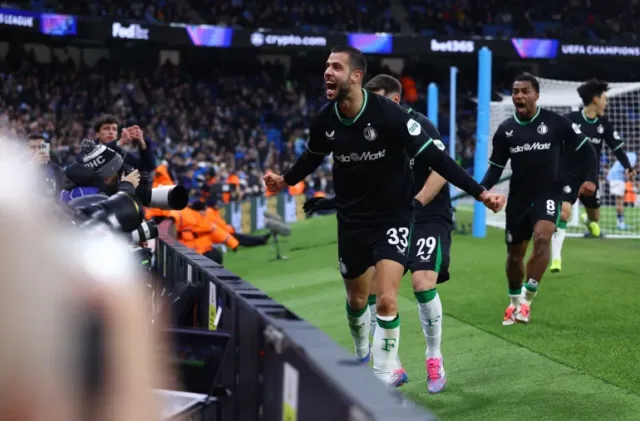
(624, 113)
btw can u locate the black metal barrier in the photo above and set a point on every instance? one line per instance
(278, 366)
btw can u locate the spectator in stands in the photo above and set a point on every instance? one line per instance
(43, 156)
(106, 128)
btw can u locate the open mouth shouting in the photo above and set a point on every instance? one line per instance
(521, 106)
(332, 89)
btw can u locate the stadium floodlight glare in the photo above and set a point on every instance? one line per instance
(562, 97)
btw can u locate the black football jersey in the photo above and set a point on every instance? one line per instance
(536, 148)
(371, 152)
(599, 131)
(440, 207)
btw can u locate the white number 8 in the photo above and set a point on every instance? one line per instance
(402, 239)
(551, 206)
(430, 243)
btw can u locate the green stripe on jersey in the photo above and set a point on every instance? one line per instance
(495, 165)
(582, 143)
(426, 144)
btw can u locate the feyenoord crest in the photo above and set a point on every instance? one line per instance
(600, 129)
(343, 267)
(370, 133)
(542, 128)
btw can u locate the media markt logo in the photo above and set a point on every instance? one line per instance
(527, 147)
(364, 156)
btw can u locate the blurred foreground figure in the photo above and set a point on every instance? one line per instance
(55, 280)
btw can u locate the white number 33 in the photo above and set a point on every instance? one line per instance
(398, 236)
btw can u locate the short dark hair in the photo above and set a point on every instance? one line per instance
(386, 83)
(528, 77)
(35, 136)
(591, 89)
(105, 119)
(357, 60)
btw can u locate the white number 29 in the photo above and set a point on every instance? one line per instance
(398, 236)
(430, 243)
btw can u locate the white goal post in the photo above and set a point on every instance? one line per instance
(623, 112)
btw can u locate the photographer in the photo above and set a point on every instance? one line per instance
(106, 129)
(99, 173)
(42, 156)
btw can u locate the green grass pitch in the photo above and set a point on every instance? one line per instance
(579, 359)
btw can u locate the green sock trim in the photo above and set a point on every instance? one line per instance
(516, 291)
(356, 313)
(562, 224)
(389, 325)
(424, 297)
(372, 299)
(530, 288)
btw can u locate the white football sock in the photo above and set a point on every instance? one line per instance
(359, 325)
(385, 346)
(430, 314)
(530, 290)
(556, 243)
(374, 320)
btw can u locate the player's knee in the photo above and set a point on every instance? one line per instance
(387, 304)
(357, 299)
(424, 280)
(541, 241)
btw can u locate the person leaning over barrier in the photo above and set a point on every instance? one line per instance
(99, 172)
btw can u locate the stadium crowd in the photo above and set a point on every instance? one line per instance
(575, 20)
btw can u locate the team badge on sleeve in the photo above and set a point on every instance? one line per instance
(616, 136)
(439, 144)
(413, 127)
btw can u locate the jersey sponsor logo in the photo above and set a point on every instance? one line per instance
(509, 133)
(370, 133)
(330, 134)
(542, 128)
(438, 144)
(576, 128)
(413, 127)
(364, 156)
(527, 147)
(600, 129)
(616, 136)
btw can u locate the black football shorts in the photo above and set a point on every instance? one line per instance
(523, 216)
(431, 248)
(362, 246)
(570, 193)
